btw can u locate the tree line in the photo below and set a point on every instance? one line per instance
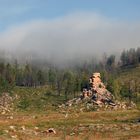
(130, 57)
(71, 80)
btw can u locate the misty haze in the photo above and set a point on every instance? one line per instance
(79, 35)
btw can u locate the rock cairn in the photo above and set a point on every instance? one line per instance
(98, 97)
(98, 92)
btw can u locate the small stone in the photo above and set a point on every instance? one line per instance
(14, 136)
(12, 127)
(6, 131)
(127, 128)
(71, 134)
(36, 128)
(34, 117)
(51, 130)
(11, 117)
(23, 128)
(3, 112)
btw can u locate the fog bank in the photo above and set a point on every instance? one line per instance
(78, 36)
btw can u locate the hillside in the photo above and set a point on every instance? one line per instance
(129, 77)
(36, 116)
(130, 73)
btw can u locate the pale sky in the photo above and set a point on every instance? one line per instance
(65, 29)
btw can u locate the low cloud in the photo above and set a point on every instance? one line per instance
(75, 36)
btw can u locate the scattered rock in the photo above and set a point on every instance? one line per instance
(51, 130)
(14, 136)
(71, 134)
(36, 128)
(10, 117)
(34, 117)
(5, 103)
(12, 127)
(23, 128)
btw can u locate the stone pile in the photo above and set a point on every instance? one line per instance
(5, 103)
(98, 92)
(98, 97)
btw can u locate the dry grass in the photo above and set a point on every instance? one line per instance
(69, 128)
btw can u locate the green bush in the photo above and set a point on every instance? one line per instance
(24, 104)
